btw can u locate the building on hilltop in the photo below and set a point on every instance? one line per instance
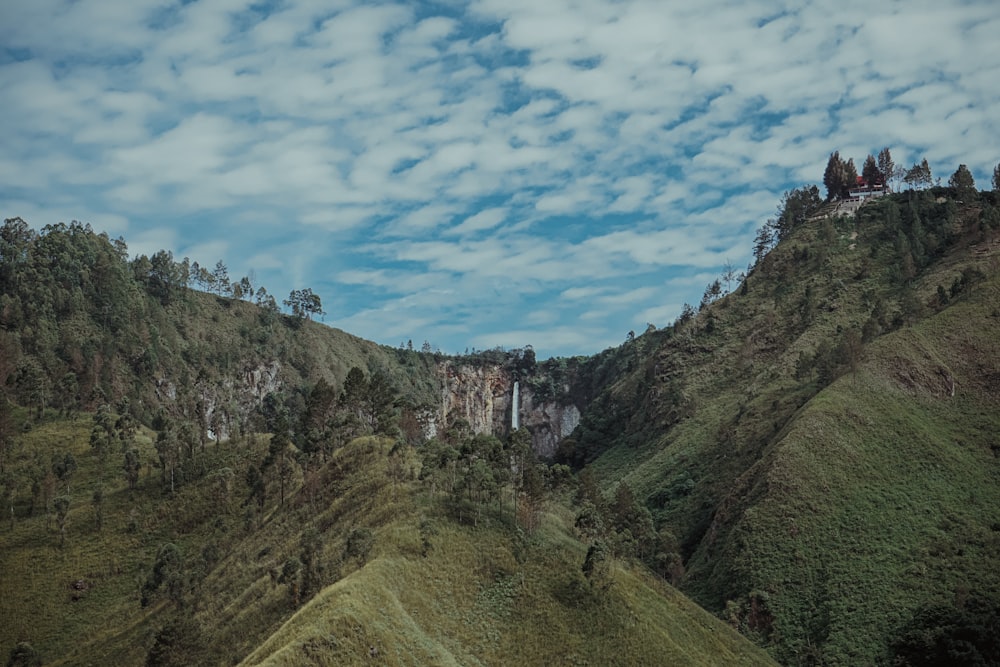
(862, 190)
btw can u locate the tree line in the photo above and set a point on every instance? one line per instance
(77, 315)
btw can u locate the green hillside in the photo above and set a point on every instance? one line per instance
(319, 529)
(811, 458)
(396, 579)
(823, 441)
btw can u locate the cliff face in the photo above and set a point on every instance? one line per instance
(483, 397)
(548, 421)
(234, 398)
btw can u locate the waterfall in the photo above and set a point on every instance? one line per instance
(515, 406)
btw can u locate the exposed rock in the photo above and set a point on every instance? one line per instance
(483, 395)
(549, 423)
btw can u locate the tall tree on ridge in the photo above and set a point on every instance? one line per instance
(886, 165)
(871, 173)
(963, 182)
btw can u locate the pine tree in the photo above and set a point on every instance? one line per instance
(832, 176)
(871, 173)
(962, 181)
(886, 166)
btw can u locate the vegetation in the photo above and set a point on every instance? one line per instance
(803, 438)
(362, 560)
(193, 477)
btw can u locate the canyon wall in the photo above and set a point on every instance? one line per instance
(479, 394)
(482, 396)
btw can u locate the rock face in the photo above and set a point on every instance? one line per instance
(483, 396)
(219, 405)
(548, 421)
(480, 395)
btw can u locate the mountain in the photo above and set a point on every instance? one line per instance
(811, 458)
(196, 479)
(823, 442)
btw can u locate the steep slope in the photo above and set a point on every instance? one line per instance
(361, 564)
(82, 325)
(882, 495)
(818, 440)
(486, 595)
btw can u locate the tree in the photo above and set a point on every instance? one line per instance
(870, 172)
(359, 544)
(919, 175)
(258, 491)
(886, 166)
(378, 405)
(246, 288)
(597, 565)
(590, 521)
(33, 385)
(63, 468)
(291, 574)
(6, 431)
(131, 467)
(304, 303)
(177, 644)
(962, 181)
(850, 177)
(712, 293)
(960, 634)
(220, 279)
(352, 400)
(24, 655)
(839, 176)
(315, 424)
(531, 498)
(729, 273)
(168, 450)
(168, 571)
(832, 176)
(795, 208)
(996, 178)
(165, 278)
(764, 241)
(278, 454)
(102, 434)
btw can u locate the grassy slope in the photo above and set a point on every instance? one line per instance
(468, 601)
(104, 623)
(467, 604)
(804, 504)
(204, 333)
(884, 493)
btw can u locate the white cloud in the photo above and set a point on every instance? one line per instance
(481, 221)
(526, 152)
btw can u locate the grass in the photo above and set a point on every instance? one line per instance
(481, 594)
(484, 596)
(822, 517)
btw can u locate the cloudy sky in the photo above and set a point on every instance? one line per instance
(483, 173)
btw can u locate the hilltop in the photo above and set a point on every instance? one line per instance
(822, 442)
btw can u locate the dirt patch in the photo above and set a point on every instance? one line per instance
(936, 381)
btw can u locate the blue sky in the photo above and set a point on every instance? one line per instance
(474, 174)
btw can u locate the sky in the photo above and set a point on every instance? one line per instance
(552, 173)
